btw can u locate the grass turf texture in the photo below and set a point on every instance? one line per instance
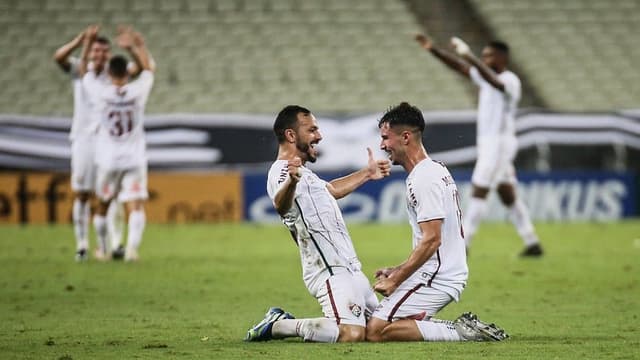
(197, 289)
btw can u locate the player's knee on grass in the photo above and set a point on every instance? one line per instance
(351, 333)
(401, 330)
(507, 194)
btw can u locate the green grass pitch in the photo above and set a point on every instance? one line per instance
(197, 289)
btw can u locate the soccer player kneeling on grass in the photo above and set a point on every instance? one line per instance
(121, 146)
(435, 272)
(308, 208)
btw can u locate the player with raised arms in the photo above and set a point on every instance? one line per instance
(121, 146)
(496, 143)
(307, 205)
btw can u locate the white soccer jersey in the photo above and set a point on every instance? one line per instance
(496, 109)
(432, 194)
(316, 224)
(83, 123)
(121, 140)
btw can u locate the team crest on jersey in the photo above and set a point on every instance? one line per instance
(356, 310)
(121, 92)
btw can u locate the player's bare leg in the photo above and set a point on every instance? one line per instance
(100, 224)
(81, 217)
(475, 212)
(519, 215)
(137, 222)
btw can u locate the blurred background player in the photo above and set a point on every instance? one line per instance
(307, 205)
(435, 273)
(121, 157)
(82, 136)
(499, 94)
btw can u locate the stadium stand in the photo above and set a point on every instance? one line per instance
(580, 55)
(236, 56)
(337, 57)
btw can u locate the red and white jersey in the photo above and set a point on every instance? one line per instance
(83, 123)
(316, 225)
(496, 109)
(432, 194)
(121, 140)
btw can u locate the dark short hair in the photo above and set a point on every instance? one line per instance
(118, 66)
(103, 40)
(404, 114)
(287, 119)
(499, 46)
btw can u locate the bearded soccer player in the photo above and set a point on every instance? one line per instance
(435, 273)
(307, 205)
(499, 94)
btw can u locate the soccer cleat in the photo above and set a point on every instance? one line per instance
(470, 328)
(82, 255)
(262, 331)
(534, 250)
(118, 254)
(131, 254)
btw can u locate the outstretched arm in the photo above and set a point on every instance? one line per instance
(449, 59)
(61, 56)
(489, 75)
(389, 280)
(375, 169)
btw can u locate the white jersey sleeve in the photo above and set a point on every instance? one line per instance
(429, 198)
(277, 176)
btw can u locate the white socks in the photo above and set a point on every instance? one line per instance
(473, 216)
(100, 224)
(316, 330)
(115, 223)
(137, 221)
(80, 215)
(438, 330)
(520, 218)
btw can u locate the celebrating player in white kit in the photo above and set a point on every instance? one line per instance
(435, 272)
(121, 146)
(83, 133)
(330, 267)
(499, 94)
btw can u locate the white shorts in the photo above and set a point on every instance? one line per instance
(495, 162)
(412, 300)
(127, 184)
(347, 297)
(83, 168)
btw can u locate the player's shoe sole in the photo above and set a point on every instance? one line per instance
(262, 331)
(473, 329)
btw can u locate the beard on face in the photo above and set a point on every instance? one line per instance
(307, 151)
